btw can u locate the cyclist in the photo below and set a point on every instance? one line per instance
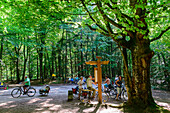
(119, 85)
(26, 83)
(89, 86)
(107, 83)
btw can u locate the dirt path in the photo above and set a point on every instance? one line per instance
(56, 102)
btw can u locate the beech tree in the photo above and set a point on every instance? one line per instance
(133, 24)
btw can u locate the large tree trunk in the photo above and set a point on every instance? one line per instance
(141, 58)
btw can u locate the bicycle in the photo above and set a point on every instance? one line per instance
(105, 93)
(30, 91)
(113, 92)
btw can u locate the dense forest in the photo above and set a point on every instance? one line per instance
(41, 38)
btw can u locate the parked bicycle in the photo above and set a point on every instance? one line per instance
(105, 93)
(113, 92)
(30, 91)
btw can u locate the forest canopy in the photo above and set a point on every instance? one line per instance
(40, 38)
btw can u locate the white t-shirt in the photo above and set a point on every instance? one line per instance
(80, 83)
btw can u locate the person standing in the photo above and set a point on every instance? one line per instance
(89, 86)
(80, 83)
(119, 85)
(26, 83)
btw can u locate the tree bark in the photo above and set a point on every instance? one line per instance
(141, 58)
(17, 64)
(1, 51)
(71, 63)
(37, 68)
(25, 61)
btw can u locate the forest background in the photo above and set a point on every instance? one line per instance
(41, 38)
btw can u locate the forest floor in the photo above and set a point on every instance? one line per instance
(57, 102)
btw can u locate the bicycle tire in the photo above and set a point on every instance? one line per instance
(16, 93)
(105, 97)
(31, 92)
(113, 93)
(124, 95)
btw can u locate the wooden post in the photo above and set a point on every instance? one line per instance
(99, 80)
(99, 74)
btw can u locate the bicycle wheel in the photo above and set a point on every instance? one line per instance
(113, 93)
(31, 92)
(124, 95)
(105, 97)
(16, 93)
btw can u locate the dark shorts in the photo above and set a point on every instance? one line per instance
(26, 86)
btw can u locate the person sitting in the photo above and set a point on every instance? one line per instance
(119, 85)
(89, 86)
(26, 83)
(80, 83)
(107, 83)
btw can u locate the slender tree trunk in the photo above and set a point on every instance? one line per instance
(25, 61)
(29, 63)
(37, 68)
(75, 62)
(71, 62)
(50, 63)
(41, 66)
(66, 59)
(1, 51)
(59, 61)
(45, 64)
(17, 65)
(56, 68)
(42, 38)
(166, 71)
(7, 74)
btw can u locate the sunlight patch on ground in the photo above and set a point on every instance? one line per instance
(5, 103)
(55, 107)
(46, 103)
(39, 109)
(67, 111)
(11, 106)
(33, 100)
(46, 112)
(88, 110)
(164, 105)
(110, 110)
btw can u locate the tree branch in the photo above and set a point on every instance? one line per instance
(124, 15)
(93, 18)
(106, 17)
(122, 42)
(160, 35)
(94, 29)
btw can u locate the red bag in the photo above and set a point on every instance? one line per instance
(74, 91)
(84, 93)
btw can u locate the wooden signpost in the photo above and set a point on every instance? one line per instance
(95, 74)
(99, 74)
